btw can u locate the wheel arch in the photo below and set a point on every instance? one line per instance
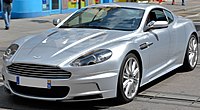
(120, 97)
(187, 41)
(196, 35)
(186, 66)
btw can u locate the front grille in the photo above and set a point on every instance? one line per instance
(54, 92)
(38, 71)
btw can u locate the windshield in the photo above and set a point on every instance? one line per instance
(112, 18)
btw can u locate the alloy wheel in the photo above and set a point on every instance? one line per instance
(193, 52)
(131, 77)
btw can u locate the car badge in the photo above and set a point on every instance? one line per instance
(37, 57)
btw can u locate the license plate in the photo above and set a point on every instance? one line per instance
(33, 82)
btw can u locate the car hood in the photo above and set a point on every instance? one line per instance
(58, 45)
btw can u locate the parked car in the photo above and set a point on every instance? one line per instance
(99, 52)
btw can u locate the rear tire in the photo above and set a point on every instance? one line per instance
(129, 79)
(191, 55)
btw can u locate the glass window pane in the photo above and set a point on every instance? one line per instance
(64, 4)
(160, 16)
(55, 4)
(45, 5)
(106, 17)
(169, 16)
(0, 5)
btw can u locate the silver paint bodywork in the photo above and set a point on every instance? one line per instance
(61, 46)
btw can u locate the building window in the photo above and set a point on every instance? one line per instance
(55, 4)
(45, 5)
(0, 5)
(64, 4)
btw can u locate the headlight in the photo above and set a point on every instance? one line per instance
(10, 51)
(93, 57)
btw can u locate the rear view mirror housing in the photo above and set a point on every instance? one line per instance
(56, 21)
(156, 25)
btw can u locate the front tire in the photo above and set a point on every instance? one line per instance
(191, 55)
(129, 79)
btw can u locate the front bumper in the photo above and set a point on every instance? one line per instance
(80, 88)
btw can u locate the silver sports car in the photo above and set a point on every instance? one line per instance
(101, 51)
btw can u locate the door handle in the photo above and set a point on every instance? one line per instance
(145, 45)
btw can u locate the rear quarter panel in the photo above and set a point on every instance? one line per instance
(183, 29)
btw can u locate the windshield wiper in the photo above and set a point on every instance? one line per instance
(99, 27)
(86, 26)
(96, 27)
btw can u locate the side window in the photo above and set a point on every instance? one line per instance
(156, 15)
(160, 15)
(169, 16)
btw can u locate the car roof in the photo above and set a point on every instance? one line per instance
(127, 5)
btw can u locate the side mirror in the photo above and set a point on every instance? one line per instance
(56, 21)
(156, 25)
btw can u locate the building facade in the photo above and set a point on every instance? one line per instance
(35, 8)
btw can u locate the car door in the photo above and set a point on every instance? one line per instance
(159, 41)
(173, 34)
